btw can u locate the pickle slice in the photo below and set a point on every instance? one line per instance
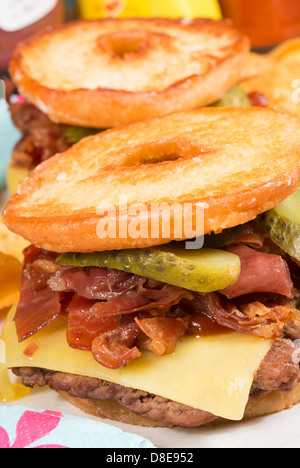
(75, 134)
(204, 270)
(236, 97)
(282, 225)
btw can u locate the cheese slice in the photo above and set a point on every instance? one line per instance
(14, 176)
(213, 374)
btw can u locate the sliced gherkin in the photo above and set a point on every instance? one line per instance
(236, 97)
(282, 224)
(204, 270)
(75, 134)
(226, 237)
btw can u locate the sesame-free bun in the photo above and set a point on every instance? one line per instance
(235, 163)
(112, 72)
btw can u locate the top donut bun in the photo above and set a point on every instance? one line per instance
(107, 73)
(236, 162)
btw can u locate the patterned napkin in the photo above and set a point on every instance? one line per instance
(27, 428)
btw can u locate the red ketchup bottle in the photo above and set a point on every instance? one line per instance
(266, 22)
(20, 19)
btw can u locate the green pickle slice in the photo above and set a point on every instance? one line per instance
(204, 270)
(236, 97)
(75, 134)
(282, 224)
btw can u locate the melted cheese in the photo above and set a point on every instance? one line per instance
(213, 374)
(14, 176)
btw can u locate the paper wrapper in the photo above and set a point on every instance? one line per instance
(24, 428)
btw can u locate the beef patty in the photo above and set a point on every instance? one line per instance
(278, 372)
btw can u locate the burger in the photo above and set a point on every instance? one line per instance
(89, 76)
(160, 287)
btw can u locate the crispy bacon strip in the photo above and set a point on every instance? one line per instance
(255, 318)
(115, 348)
(134, 302)
(270, 320)
(260, 272)
(164, 332)
(119, 292)
(258, 99)
(252, 236)
(94, 283)
(41, 138)
(116, 314)
(84, 325)
(36, 309)
(38, 305)
(31, 349)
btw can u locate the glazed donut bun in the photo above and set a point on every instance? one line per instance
(107, 73)
(220, 159)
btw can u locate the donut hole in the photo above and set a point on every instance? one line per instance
(125, 45)
(164, 152)
(158, 158)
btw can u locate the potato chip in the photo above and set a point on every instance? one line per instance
(11, 244)
(10, 280)
(280, 85)
(288, 52)
(280, 80)
(11, 260)
(257, 64)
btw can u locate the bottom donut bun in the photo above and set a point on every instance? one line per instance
(274, 402)
(109, 409)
